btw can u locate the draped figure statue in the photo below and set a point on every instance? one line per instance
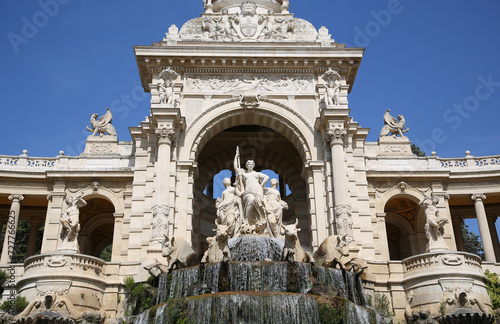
(275, 206)
(250, 187)
(228, 209)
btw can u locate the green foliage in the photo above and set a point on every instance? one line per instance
(492, 282)
(139, 296)
(417, 151)
(3, 278)
(383, 304)
(442, 308)
(19, 305)
(471, 241)
(106, 253)
(329, 314)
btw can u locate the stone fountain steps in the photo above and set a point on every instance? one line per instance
(259, 307)
(259, 276)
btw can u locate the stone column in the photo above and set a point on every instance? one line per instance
(34, 225)
(482, 220)
(117, 237)
(494, 236)
(10, 232)
(343, 209)
(161, 207)
(457, 230)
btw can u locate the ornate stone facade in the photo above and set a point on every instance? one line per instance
(215, 85)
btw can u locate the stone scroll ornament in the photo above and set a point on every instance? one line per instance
(70, 221)
(393, 127)
(102, 126)
(166, 88)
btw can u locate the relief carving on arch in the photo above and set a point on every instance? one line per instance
(402, 187)
(115, 188)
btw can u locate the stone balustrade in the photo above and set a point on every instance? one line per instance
(428, 260)
(74, 264)
(9, 162)
(470, 162)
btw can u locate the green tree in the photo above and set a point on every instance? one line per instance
(22, 237)
(19, 305)
(492, 282)
(471, 241)
(106, 253)
(417, 151)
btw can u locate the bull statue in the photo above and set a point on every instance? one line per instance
(218, 248)
(331, 250)
(155, 267)
(179, 253)
(292, 251)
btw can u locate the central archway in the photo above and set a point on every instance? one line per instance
(273, 135)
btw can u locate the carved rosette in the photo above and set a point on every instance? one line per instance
(160, 221)
(336, 136)
(343, 219)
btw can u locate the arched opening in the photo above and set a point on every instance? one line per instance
(274, 155)
(97, 226)
(404, 227)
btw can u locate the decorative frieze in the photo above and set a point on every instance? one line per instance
(244, 83)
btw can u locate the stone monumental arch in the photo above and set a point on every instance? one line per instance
(248, 87)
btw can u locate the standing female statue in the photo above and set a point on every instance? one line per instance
(275, 206)
(250, 187)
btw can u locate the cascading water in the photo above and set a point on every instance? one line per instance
(162, 290)
(161, 316)
(333, 278)
(255, 248)
(304, 275)
(182, 280)
(211, 274)
(259, 291)
(143, 318)
(258, 276)
(239, 308)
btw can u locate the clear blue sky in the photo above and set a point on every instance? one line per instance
(421, 60)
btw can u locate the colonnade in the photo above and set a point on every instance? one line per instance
(12, 223)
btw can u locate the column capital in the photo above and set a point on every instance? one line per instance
(165, 135)
(335, 136)
(15, 197)
(477, 197)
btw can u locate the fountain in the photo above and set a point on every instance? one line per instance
(255, 270)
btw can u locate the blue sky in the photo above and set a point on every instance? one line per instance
(423, 58)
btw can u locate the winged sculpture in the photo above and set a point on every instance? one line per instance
(393, 127)
(102, 125)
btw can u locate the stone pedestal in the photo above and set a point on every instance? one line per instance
(443, 284)
(394, 146)
(437, 246)
(101, 145)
